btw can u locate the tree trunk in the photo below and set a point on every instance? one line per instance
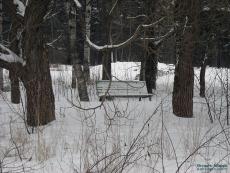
(202, 79)
(74, 77)
(142, 70)
(72, 41)
(1, 80)
(40, 98)
(151, 72)
(155, 70)
(71, 11)
(151, 60)
(86, 61)
(82, 75)
(106, 64)
(16, 24)
(183, 83)
(15, 88)
(82, 87)
(14, 46)
(1, 29)
(86, 70)
(76, 30)
(182, 100)
(106, 28)
(37, 78)
(151, 65)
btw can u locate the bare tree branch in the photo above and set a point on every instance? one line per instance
(125, 43)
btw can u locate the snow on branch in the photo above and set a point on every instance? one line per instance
(114, 6)
(160, 39)
(125, 43)
(138, 16)
(78, 4)
(165, 36)
(8, 56)
(225, 9)
(20, 7)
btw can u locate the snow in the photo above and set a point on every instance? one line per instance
(146, 134)
(11, 57)
(20, 7)
(206, 8)
(100, 48)
(78, 4)
(226, 9)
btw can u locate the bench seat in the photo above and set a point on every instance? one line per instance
(110, 89)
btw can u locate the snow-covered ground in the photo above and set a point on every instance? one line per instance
(123, 135)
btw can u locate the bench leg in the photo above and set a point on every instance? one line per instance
(103, 98)
(150, 98)
(140, 98)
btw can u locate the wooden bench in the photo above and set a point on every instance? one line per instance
(107, 89)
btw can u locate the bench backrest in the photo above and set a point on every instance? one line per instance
(121, 88)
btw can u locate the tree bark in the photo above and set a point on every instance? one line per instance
(202, 78)
(34, 72)
(76, 30)
(106, 26)
(1, 29)
(16, 22)
(1, 80)
(37, 78)
(142, 70)
(106, 64)
(86, 61)
(81, 82)
(40, 98)
(71, 11)
(82, 75)
(74, 77)
(14, 46)
(149, 64)
(151, 72)
(155, 70)
(15, 87)
(86, 69)
(182, 101)
(184, 81)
